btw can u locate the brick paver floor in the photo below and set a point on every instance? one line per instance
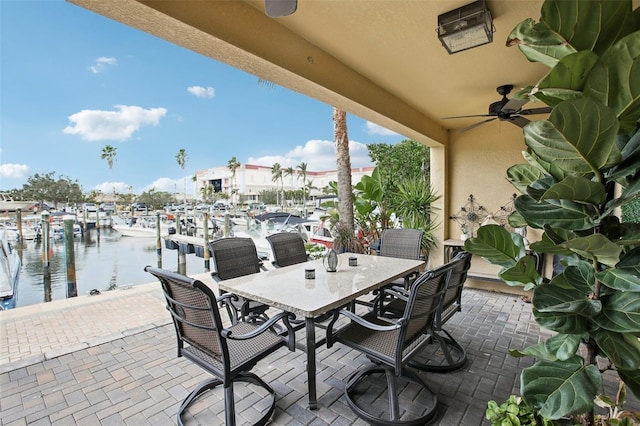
(111, 359)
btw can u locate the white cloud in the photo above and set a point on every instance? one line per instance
(319, 155)
(202, 92)
(166, 184)
(108, 187)
(375, 129)
(96, 125)
(14, 171)
(102, 63)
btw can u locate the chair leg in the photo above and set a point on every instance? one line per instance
(229, 399)
(201, 388)
(455, 355)
(395, 412)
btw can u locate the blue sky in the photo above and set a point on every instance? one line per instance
(72, 82)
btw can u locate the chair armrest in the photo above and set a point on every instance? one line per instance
(222, 298)
(265, 326)
(359, 320)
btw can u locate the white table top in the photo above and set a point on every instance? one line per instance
(287, 289)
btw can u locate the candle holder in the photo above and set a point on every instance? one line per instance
(309, 274)
(330, 260)
(353, 261)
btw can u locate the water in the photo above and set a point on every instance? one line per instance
(108, 262)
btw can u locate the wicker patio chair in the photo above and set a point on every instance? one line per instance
(455, 355)
(391, 346)
(404, 243)
(227, 353)
(288, 249)
(236, 257)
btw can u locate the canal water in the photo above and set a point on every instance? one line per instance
(104, 261)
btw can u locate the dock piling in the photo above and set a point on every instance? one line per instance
(72, 285)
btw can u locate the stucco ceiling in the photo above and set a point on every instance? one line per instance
(378, 59)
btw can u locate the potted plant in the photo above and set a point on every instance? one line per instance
(583, 163)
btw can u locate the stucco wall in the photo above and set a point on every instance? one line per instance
(477, 164)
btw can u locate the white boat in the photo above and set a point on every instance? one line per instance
(8, 204)
(9, 272)
(140, 228)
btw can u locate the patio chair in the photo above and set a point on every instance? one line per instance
(227, 353)
(404, 243)
(391, 346)
(288, 249)
(236, 257)
(454, 354)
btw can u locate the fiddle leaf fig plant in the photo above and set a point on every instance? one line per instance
(582, 164)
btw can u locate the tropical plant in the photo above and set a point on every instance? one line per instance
(406, 159)
(589, 145)
(233, 164)
(109, 153)
(413, 202)
(372, 209)
(513, 412)
(345, 239)
(181, 159)
(276, 175)
(302, 171)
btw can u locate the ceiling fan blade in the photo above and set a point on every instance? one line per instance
(473, 126)
(530, 111)
(518, 120)
(279, 8)
(514, 105)
(468, 116)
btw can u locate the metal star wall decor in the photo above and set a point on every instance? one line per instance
(470, 216)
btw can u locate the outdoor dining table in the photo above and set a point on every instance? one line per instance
(287, 289)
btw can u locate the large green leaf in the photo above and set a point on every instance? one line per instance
(622, 349)
(556, 213)
(548, 245)
(559, 347)
(626, 275)
(539, 43)
(631, 378)
(522, 175)
(570, 73)
(629, 146)
(596, 247)
(579, 137)
(562, 308)
(588, 25)
(559, 389)
(545, 166)
(577, 189)
(496, 245)
(581, 276)
(614, 81)
(551, 96)
(620, 312)
(522, 273)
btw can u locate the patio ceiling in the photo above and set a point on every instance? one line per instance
(378, 59)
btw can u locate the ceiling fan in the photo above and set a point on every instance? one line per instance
(505, 110)
(279, 8)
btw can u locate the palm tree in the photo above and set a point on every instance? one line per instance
(345, 191)
(276, 175)
(181, 159)
(289, 171)
(302, 171)
(109, 154)
(233, 165)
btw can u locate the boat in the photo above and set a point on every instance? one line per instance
(140, 227)
(8, 204)
(9, 273)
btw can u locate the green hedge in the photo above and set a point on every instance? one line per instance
(631, 211)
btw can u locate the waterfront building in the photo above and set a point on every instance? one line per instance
(251, 179)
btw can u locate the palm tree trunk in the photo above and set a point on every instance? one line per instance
(341, 139)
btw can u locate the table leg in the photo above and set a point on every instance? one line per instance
(311, 362)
